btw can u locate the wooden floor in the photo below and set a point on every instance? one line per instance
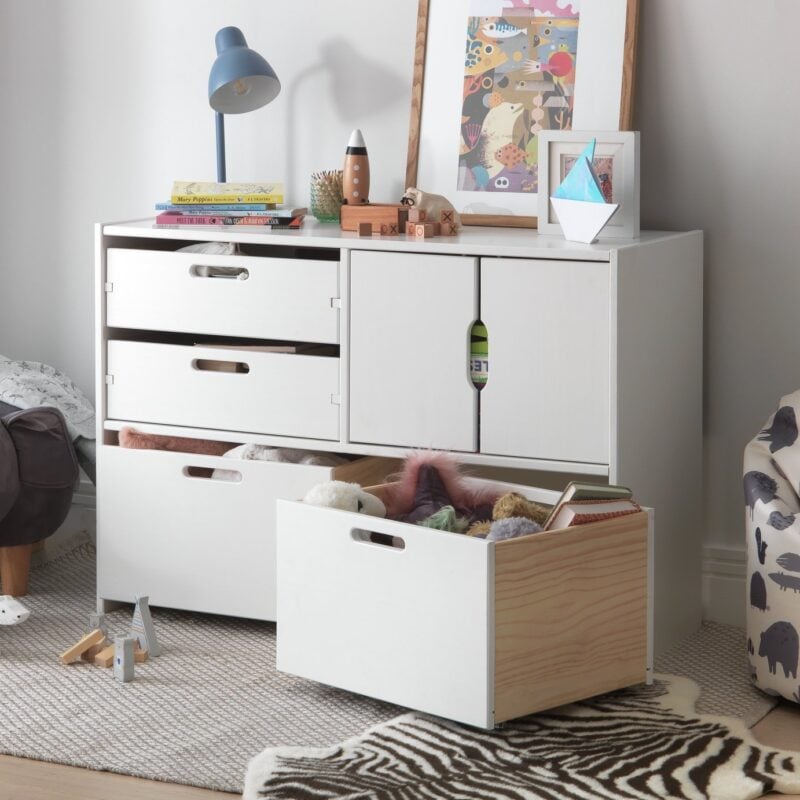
(22, 779)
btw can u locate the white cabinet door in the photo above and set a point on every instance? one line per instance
(410, 321)
(548, 325)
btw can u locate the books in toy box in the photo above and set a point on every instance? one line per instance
(188, 192)
(577, 491)
(582, 512)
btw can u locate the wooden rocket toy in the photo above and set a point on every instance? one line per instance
(356, 170)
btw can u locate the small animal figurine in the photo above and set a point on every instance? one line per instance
(12, 612)
(431, 204)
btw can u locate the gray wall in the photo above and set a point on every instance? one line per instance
(104, 104)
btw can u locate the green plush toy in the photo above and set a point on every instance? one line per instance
(445, 519)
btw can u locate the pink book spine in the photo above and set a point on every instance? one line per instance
(186, 219)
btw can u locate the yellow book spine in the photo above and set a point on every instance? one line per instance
(199, 199)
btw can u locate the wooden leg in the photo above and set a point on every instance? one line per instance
(15, 566)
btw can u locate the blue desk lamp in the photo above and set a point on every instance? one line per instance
(241, 80)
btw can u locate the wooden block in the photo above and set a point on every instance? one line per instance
(140, 656)
(411, 228)
(105, 658)
(437, 228)
(416, 215)
(446, 215)
(90, 654)
(389, 229)
(424, 230)
(76, 651)
(402, 218)
(374, 213)
(365, 229)
(449, 229)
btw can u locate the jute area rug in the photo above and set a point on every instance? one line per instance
(213, 700)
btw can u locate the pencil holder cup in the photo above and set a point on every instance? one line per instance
(326, 195)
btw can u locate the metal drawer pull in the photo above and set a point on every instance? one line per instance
(231, 273)
(214, 365)
(380, 539)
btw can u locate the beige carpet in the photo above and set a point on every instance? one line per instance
(199, 712)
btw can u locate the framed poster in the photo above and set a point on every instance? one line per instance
(489, 75)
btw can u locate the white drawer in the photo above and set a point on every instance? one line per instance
(282, 394)
(275, 298)
(479, 632)
(198, 543)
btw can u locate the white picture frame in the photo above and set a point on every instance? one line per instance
(603, 81)
(557, 149)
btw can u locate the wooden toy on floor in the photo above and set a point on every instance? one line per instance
(75, 653)
(123, 658)
(142, 627)
(105, 658)
(97, 621)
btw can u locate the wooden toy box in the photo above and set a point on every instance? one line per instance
(475, 631)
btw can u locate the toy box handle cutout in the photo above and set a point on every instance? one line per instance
(207, 473)
(215, 365)
(380, 539)
(226, 273)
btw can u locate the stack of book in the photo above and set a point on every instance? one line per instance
(215, 205)
(581, 503)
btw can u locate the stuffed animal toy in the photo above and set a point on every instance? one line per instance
(12, 612)
(129, 437)
(431, 480)
(345, 496)
(431, 204)
(511, 528)
(511, 506)
(445, 519)
(515, 505)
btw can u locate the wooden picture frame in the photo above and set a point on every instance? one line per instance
(617, 153)
(600, 97)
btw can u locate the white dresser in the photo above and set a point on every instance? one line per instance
(595, 356)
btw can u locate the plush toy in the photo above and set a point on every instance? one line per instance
(345, 496)
(431, 204)
(511, 506)
(510, 528)
(445, 519)
(431, 480)
(129, 437)
(515, 505)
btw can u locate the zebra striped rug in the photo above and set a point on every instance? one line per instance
(644, 742)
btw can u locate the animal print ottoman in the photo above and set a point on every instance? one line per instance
(772, 520)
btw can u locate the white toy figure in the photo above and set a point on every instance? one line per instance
(346, 496)
(12, 612)
(123, 658)
(142, 629)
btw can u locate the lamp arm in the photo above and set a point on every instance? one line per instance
(220, 122)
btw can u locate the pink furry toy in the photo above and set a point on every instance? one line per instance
(431, 480)
(128, 437)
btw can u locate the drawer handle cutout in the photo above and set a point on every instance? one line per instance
(380, 539)
(226, 273)
(207, 473)
(215, 365)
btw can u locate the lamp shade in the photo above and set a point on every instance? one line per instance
(241, 80)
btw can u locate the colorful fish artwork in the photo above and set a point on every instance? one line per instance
(519, 79)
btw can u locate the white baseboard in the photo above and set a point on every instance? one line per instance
(725, 585)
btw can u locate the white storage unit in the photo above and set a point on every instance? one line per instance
(475, 631)
(594, 362)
